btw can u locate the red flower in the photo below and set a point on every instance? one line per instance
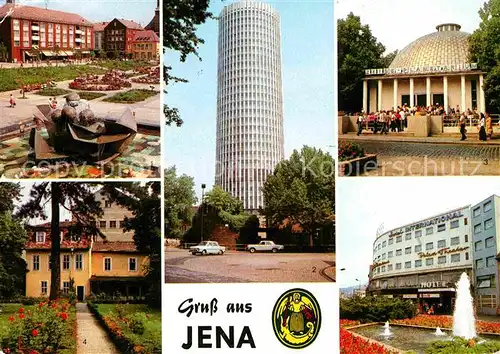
(21, 315)
(64, 316)
(41, 304)
(6, 350)
(12, 318)
(21, 310)
(34, 352)
(54, 305)
(34, 333)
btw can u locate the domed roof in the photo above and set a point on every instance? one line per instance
(447, 46)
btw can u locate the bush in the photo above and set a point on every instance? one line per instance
(52, 91)
(349, 151)
(131, 96)
(136, 322)
(462, 346)
(376, 309)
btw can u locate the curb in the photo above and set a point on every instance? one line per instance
(421, 141)
(323, 273)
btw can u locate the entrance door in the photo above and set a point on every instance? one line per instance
(422, 100)
(80, 293)
(438, 99)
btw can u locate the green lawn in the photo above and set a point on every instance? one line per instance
(90, 95)
(12, 79)
(131, 96)
(52, 91)
(122, 65)
(151, 338)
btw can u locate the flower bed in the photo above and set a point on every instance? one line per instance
(111, 81)
(352, 344)
(353, 159)
(348, 323)
(135, 329)
(48, 327)
(152, 76)
(447, 322)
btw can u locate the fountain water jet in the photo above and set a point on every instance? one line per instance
(464, 323)
(387, 330)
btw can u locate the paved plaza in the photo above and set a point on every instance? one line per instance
(234, 266)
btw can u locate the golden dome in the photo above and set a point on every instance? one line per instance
(447, 46)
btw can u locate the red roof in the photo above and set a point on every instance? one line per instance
(62, 224)
(146, 36)
(65, 245)
(40, 14)
(114, 246)
(99, 27)
(130, 24)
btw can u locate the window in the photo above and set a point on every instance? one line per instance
(487, 281)
(389, 267)
(454, 241)
(441, 227)
(465, 221)
(408, 264)
(429, 246)
(399, 239)
(390, 254)
(477, 229)
(407, 236)
(107, 264)
(379, 246)
(399, 252)
(383, 255)
(479, 263)
(132, 265)
(418, 248)
(418, 263)
(107, 204)
(441, 243)
(383, 269)
(40, 237)
(466, 256)
(112, 224)
(488, 224)
(43, 287)
(398, 265)
(418, 233)
(407, 250)
(36, 262)
(102, 224)
(79, 261)
(65, 262)
(489, 242)
(466, 238)
(384, 243)
(391, 240)
(454, 258)
(429, 261)
(122, 224)
(476, 212)
(478, 246)
(441, 259)
(65, 287)
(429, 231)
(487, 206)
(490, 261)
(454, 224)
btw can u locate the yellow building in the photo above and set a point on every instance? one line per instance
(146, 46)
(96, 267)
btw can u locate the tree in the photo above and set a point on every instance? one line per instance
(180, 18)
(179, 198)
(79, 200)
(144, 201)
(223, 201)
(301, 191)
(388, 58)
(4, 52)
(484, 49)
(116, 54)
(9, 194)
(358, 50)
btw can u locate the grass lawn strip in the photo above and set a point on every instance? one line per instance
(90, 95)
(52, 91)
(122, 65)
(131, 96)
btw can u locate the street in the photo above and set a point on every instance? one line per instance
(428, 159)
(234, 266)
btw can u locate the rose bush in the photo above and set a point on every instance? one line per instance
(349, 151)
(351, 344)
(44, 328)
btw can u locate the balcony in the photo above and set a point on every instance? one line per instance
(35, 28)
(78, 40)
(78, 31)
(35, 38)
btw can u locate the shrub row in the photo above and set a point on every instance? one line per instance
(115, 299)
(376, 309)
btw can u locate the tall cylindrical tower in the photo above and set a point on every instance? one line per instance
(249, 100)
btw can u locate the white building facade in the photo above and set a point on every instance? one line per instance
(249, 138)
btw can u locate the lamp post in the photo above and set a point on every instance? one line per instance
(203, 185)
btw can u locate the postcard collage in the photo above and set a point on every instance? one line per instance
(250, 176)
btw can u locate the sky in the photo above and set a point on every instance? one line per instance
(140, 11)
(364, 204)
(397, 23)
(307, 29)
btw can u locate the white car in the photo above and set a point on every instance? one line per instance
(265, 246)
(207, 247)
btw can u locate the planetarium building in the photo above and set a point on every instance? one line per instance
(432, 70)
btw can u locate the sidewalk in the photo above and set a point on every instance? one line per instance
(92, 339)
(408, 138)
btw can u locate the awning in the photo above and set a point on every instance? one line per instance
(48, 53)
(69, 54)
(436, 290)
(62, 54)
(30, 54)
(86, 52)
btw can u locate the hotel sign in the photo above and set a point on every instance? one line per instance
(437, 220)
(442, 251)
(433, 284)
(423, 69)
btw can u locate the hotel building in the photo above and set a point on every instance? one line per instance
(249, 135)
(423, 261)
(432, 70)
(31, 32)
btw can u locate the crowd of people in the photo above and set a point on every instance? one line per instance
(396, 120)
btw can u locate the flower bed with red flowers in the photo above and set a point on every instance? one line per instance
(352, 344)
(348, 323)
(48, 327)
(447, 322)
(350, 151)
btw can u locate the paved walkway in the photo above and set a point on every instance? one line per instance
(473, 138)
(92, 339)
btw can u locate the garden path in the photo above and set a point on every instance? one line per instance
(92, 339)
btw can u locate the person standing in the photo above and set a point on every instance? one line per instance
(482, 129)
(489, 126)
(403, 119)
(360, 123)
(461, 122)
(12, 101)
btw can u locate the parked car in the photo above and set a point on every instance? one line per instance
(207, 247)
(265, 246)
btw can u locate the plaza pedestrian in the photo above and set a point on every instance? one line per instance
(482, 129)
(360, 123)
(489, 126)
(461, 122)
(12, 101)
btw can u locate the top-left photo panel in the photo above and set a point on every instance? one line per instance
(80, 89)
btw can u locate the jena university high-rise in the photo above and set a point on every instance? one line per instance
(249, 100)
